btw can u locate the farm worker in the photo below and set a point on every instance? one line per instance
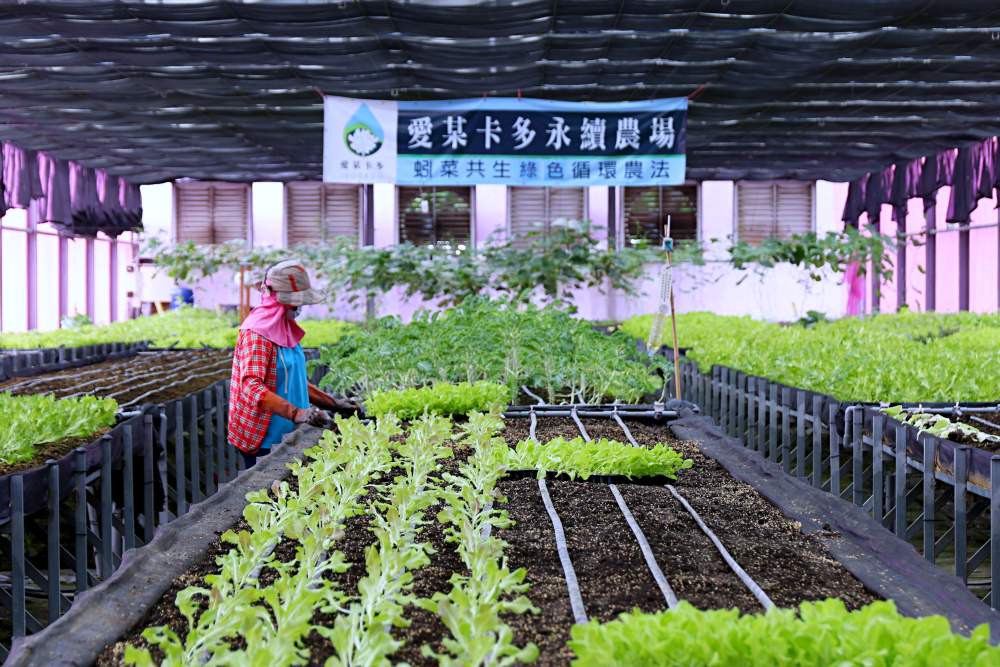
(269, 394)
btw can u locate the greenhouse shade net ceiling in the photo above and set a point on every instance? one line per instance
(227, 90)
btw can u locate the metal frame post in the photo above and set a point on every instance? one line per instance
(901, 491)
(961, 514)
(928, 488)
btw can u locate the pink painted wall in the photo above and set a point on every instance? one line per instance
(984, 252)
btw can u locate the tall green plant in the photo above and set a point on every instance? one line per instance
(554, 354)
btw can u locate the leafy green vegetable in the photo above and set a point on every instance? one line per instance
(580, 458)
(902, 357)
(939, 425)
(557, 356)
(183, 328)
(27, 421)
(473, 610)
(818, 633)
(442, 398)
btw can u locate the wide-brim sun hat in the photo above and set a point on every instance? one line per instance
(290, 284)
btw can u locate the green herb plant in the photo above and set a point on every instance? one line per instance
(441, 398)
(273, 620)
(555, 355)
(583, 459)
(31, 420)
(817, 633)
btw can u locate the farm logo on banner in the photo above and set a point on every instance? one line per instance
(504, 140)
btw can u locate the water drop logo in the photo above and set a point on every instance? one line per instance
(363, 134)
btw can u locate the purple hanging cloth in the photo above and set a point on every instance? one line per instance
(964, 183)
(58, 208)
(905, 186)
(855, 203)
(878, 192)
(938, 170)
(17, 182)
(986, 167)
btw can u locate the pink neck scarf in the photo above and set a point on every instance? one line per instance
(269, 320)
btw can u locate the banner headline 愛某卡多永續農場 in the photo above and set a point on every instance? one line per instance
(504, 140)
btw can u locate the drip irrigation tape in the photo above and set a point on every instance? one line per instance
(640, 537)
(647, 551)
(757, 591)
(625, 428)
(541, 401)
(163, 388)
(575, 597)
(567, 412)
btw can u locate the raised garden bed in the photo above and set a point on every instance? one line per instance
(148, 377)
(792, 542)
(22, 363)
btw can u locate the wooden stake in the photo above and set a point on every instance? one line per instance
(673, 322)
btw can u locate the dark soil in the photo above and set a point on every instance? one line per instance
(133, 377)
(612, 574)
(987, 422)
(164, 612)
(790, 566)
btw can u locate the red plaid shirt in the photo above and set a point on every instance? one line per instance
(255, 371)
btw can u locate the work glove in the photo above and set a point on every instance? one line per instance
(312, 416)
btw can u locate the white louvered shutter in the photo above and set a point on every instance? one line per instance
(774, 209)
(317, 212)
(755, 211)
(342, 210)
(566, 204)
(194, 212)
(230, 211)
(794, 208)
(528, 211)
(212, 212)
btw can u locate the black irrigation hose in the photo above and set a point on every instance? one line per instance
(126, 379)
(647, 551)
(575, 598)
(162, 388)
(757, 591)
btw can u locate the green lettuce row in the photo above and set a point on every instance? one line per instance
(818, 633)
(36, 419)
(441, 398)
(330, 490)
(183, 328)
(583, 459)
(903, 357)
(473, 610)
(556, 355)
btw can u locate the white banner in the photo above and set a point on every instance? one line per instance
(359, 140)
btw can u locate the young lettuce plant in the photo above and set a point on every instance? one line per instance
(441, 398)
(817, 633)
(329, 490)
(583, 459)
(488, 590)
(27, 421)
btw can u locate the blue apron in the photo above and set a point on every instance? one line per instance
(293, 387)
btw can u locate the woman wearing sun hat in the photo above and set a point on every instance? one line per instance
(269, 393)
